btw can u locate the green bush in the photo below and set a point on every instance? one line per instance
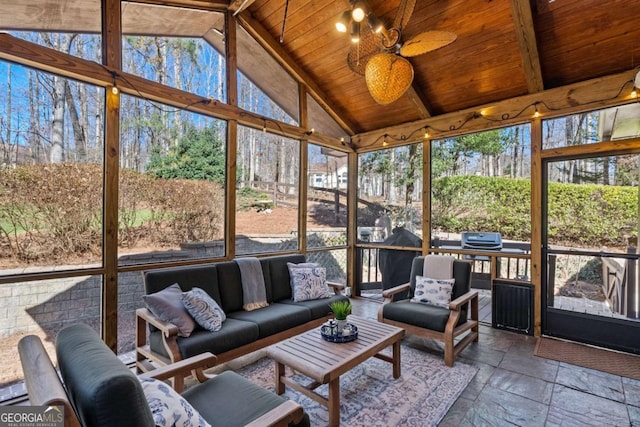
(595, 215)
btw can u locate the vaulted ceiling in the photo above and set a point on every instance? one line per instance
(504, 49)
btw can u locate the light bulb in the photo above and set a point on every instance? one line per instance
(384, 141)
(343, 21)
(358, 12)
(634, 93)
(355, 32)
(114, 90)
(427, 135)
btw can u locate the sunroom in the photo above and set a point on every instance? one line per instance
(138, 135)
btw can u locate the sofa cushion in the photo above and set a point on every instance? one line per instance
(319, 307)
(234, 333)
(202, 276)
(204, 309)
(169, 409)
(102, 390)
(167, 306)
(230, 408)
(230, 284)
(421, 315)
(280, 282)
(275, 318)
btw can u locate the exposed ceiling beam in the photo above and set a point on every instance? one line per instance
(238, 6)
(525, 32)
(416, 99)
(41, 58)
(194, 4)
(263, 37)
(588, 95)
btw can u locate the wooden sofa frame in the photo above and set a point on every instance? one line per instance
(147, 360)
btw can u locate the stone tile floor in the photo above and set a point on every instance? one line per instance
(514, 387)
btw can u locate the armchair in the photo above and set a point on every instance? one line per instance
(99, 390)
(428, 321)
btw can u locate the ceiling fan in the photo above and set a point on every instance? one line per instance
(380, 54)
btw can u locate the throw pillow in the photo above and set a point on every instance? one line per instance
(204, 309)
(309, 283)
(433, 291)
(292, 267)
(168, 407)
(167, 306)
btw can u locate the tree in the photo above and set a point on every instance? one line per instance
(199, 155)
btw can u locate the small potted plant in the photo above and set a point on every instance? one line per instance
(341, 309)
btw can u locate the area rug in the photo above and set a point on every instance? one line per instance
(626, 365)
(370, 396)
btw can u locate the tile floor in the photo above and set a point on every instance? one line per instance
(514, 387)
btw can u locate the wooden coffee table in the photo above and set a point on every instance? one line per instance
(324, 362)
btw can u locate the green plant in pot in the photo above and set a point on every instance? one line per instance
(341, 309)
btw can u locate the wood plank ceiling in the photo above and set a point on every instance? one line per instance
(504, 48)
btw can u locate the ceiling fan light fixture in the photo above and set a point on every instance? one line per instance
(374, 23)
(359, 11)
(343, 21)
(355, 32)
(388, 77)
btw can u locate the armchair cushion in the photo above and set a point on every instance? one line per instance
(238, 401)
(167, 306)
(168, 408)
(433, 291)
(424, 316)
(204, 309)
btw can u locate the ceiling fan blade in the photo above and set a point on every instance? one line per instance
(405, 10)
(359, 53)
(426, 42)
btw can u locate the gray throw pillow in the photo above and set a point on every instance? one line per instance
(167, 306)
(204, 309)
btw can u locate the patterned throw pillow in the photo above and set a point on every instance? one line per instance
(167, 306)
(309, 283)
(168, 408)
(204, 309)
(433, 291)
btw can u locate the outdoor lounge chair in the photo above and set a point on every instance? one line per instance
(429, 321)
(99, 390)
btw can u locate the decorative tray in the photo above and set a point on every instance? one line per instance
(339, 336)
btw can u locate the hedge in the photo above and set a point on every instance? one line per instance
(585, 214)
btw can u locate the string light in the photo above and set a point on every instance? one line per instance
(634, 92)
(427, 135)
(385, 142)
(536, 114)
(114, 90)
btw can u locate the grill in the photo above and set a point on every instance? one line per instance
(484, 241)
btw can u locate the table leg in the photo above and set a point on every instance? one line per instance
(396, 359)
(334, 402)
(279, 375)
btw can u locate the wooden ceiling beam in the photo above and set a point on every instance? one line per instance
(416, 99)
(238, 6)
(41, 58)
(265, 39)
(588, 95)
(526, 35)
(217, 5)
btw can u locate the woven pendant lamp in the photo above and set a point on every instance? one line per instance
(388, 77)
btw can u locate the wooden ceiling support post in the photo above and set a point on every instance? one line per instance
(303, 180)
(112, 57)
(231, 52)
(526, 34)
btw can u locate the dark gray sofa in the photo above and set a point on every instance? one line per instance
(99, 390)
(243, 331)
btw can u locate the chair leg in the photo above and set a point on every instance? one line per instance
(474, 316)
(449, 354)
